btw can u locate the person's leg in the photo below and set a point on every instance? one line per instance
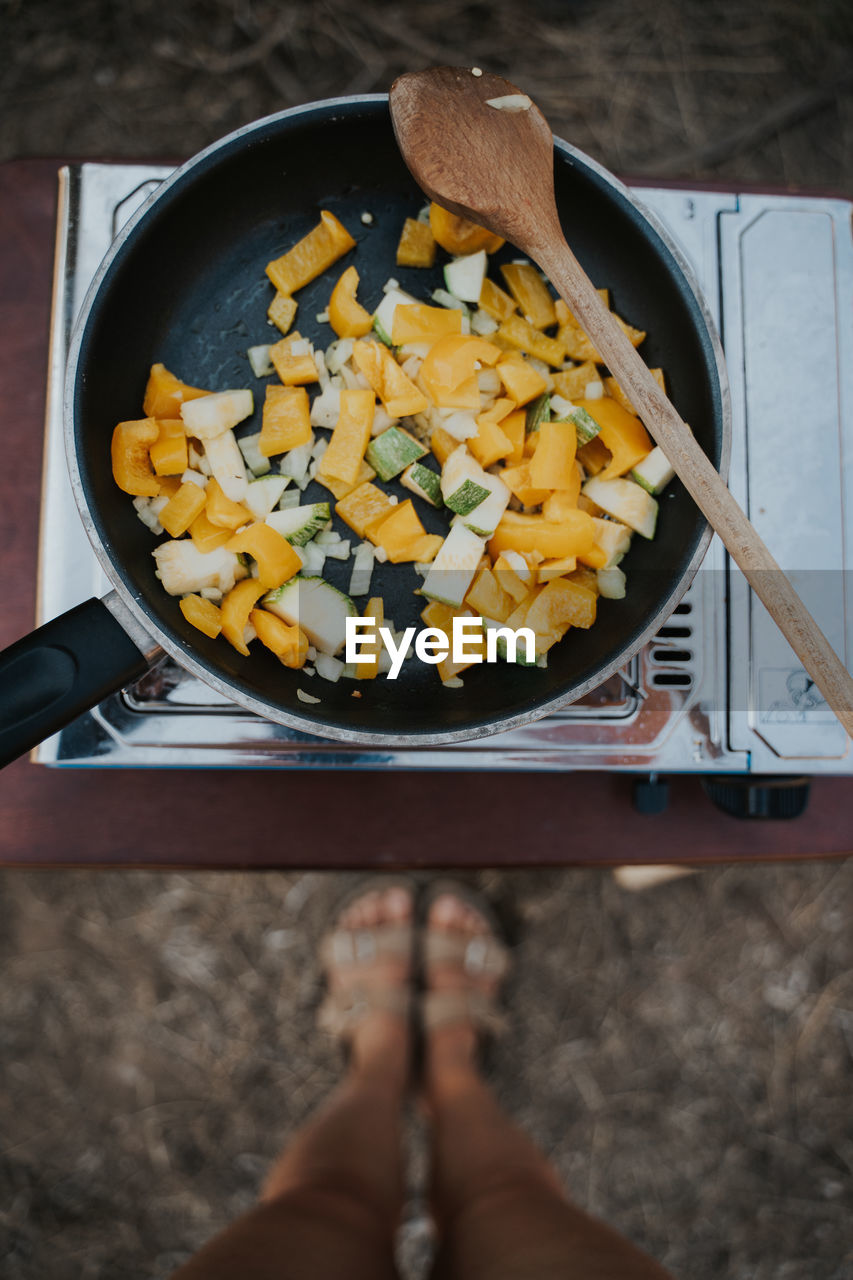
(500, 1210)
(331, 1204)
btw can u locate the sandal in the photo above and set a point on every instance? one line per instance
(479, 955)
(343, 1009)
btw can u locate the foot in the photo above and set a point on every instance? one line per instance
(378, 1033)
(451, 1047)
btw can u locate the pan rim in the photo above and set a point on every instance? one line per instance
(184, 655)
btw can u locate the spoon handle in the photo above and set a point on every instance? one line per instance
(700, 478)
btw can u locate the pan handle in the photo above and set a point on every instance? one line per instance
(70, 664)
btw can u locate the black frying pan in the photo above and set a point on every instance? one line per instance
(185, 285)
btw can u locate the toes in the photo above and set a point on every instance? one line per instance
(446, 912)
(397, 903)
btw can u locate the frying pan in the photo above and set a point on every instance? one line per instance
(184, 284)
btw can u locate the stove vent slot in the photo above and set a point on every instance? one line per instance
(669, 656)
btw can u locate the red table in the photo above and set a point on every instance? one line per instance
(210, 819)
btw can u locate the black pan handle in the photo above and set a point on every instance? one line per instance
(52, 676)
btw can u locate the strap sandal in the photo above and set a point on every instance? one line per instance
(480, 956)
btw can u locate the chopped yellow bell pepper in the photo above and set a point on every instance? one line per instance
(575, 342)
(495, 302)
(453, 359)
(277, 560)
(365, 506)
(518, 481)
(594, 456)
(557, 504)
(236, 607)
(522, 334)
(367, 668)
(221, 510)
(459, 235)
(550, 569)
(311, 255)
(553, 464)
(523, 383)
(351, 436)
(531, 293)
(562, 604)
(286, 422)
(294, 370)
(399, 533)
(399, 395)
(417, 244)
(420, 323)
(131, 444)
(164, 394)
(169, 453)
(621, 432)
(514, 427)
(487, 597)
(207, 536)
(347, 317)
(341, 488)
(571, 536)
(491, 443)
(288, 642)
(572, 383)
(427, 548)
(442, 444)
(282, 311)
(181, 510)
(202, 614)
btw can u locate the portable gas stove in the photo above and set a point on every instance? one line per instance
(718, 692)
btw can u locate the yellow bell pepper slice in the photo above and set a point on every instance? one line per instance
(181, 510)
(522, 334)
(441, 617)
(420, 323)
(365, 506)
(342, 488)
(311, 255)
(351, 436)
(575, 342)
(236, 607)
(294, 370)
(518, 481)
(452, 361)
(399, 395)
(558, 503)
(131, 461)
(514, 427)
(164, 394)
(490, 443)
(277, 560)
(286, 421)
(282, 311)
(202, 614)
(553, 463)
(495, 302)
(288, 642)
(347, 317)
(223, 511)
(442, 444)
(621, 432)
(550, 569)
(459, 235)
(487, 597)
(572, 383)
(169, 452)
(368, 667)
(522, 382)
(571, 536)
(562, 604)
(594, 456)
(531, 293)
(399, 533)
(416, 247)
(207, 536)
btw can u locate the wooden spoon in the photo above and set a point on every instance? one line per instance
(495, 165)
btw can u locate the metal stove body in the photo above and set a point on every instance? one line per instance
(718, 691)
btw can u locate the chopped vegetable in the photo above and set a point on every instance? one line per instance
(392, 452)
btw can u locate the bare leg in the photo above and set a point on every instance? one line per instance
(332, 1201)
(500, 1210)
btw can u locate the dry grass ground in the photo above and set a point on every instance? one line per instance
(684, 1055)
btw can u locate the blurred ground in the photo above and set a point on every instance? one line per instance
(684, 1054)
